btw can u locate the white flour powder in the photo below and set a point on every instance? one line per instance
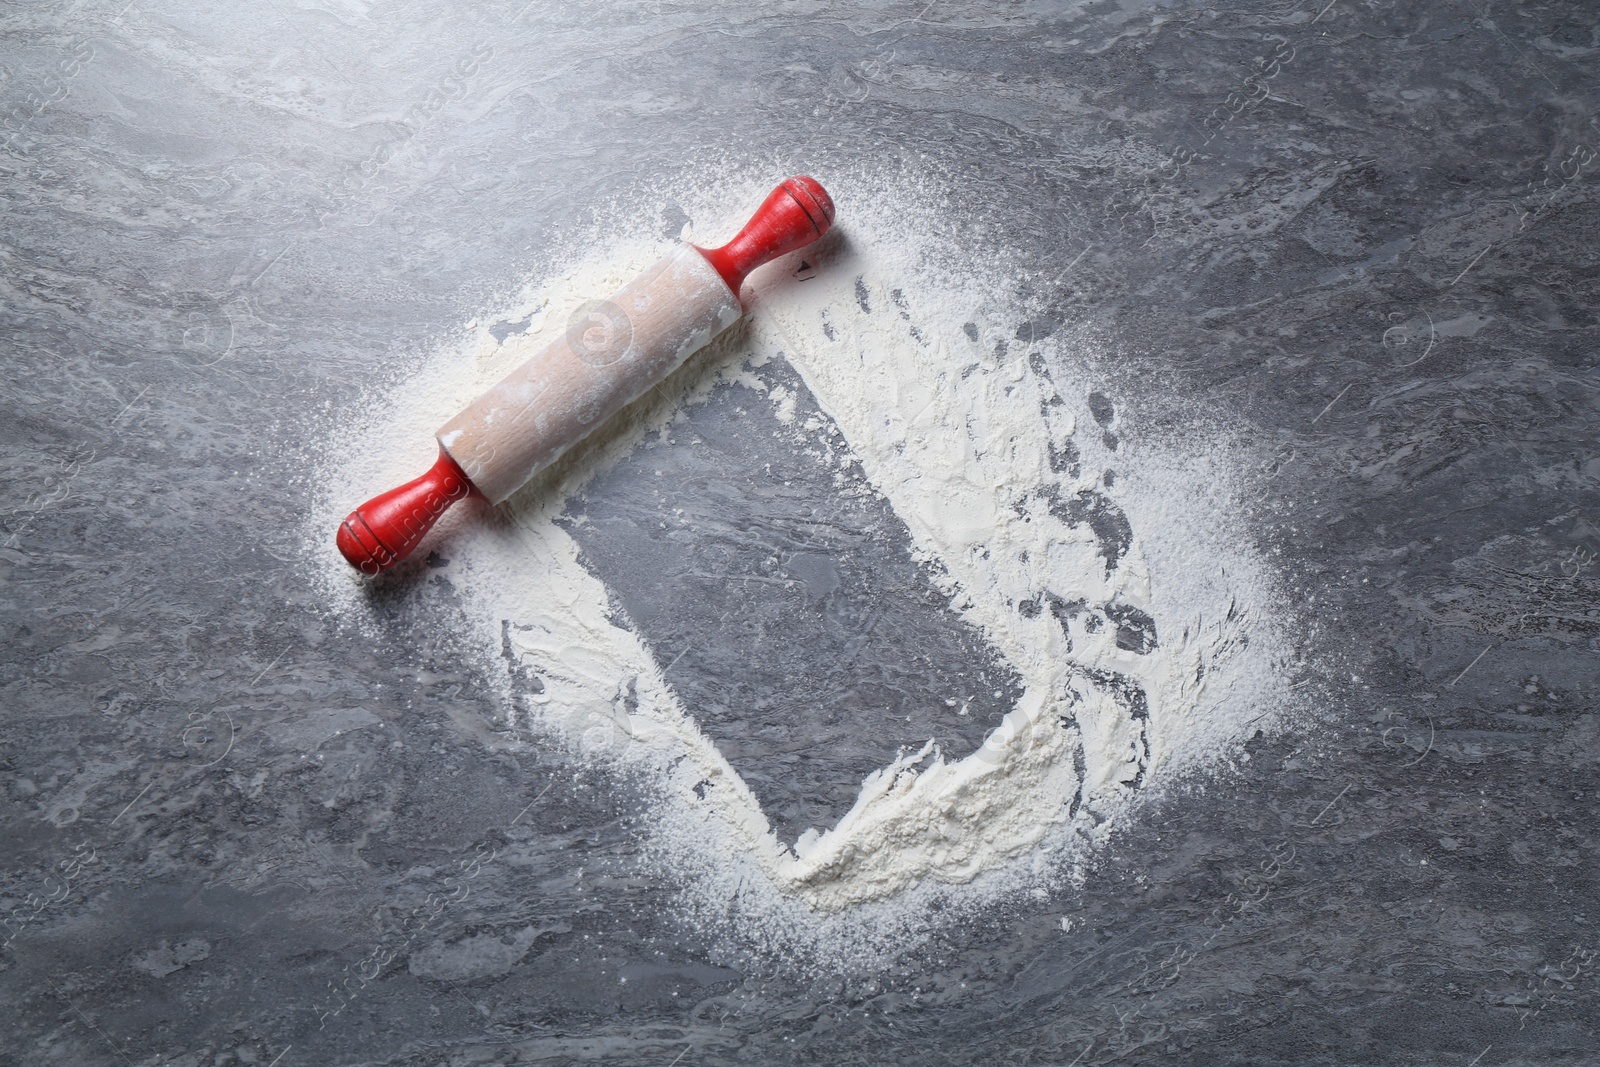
(998, 469)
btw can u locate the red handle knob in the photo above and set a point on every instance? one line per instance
(798, 212)
(385, 530)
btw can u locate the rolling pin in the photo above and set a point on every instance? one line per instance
(611, 354)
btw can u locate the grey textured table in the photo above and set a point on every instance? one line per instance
(1378, 250)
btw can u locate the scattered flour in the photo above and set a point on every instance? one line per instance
(1145, 629)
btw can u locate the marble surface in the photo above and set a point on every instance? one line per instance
(1368, 232)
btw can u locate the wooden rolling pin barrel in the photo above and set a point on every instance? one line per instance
(613, 352)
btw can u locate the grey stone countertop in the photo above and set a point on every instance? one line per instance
(1378, 252)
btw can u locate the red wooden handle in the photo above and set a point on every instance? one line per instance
(798, 212)
(385, 530)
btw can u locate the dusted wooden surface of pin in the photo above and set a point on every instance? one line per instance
(610, 354)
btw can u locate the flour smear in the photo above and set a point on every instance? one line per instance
(1114, 572)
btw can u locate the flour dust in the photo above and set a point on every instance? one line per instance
(1114, 572)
